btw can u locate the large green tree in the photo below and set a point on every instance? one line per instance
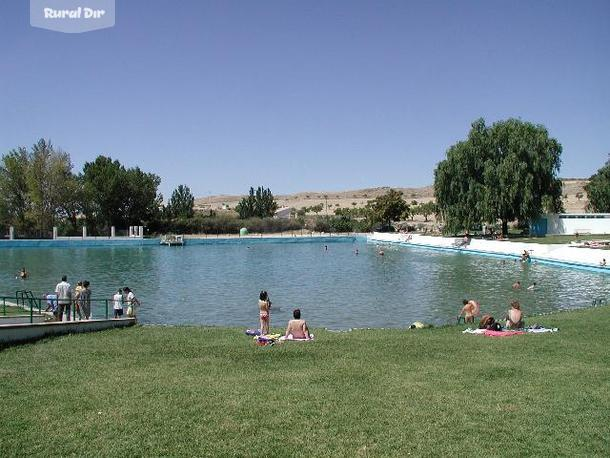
(259, 203)
(104, 188)
(387, 208)
(14, 198)
(598, 190)
(181, 203)
(506, 172)
(50, 182)
(116, 196)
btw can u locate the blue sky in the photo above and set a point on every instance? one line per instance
(305, 95)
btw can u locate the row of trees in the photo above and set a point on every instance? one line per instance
(39, 190)
(503, 172)
(259, 204)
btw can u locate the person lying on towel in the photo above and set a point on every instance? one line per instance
(297, 328)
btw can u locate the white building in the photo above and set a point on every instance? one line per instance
(572, 223)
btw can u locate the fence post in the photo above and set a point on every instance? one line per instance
(106, 308)
(31, 312)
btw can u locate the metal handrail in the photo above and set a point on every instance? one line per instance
(26, 300)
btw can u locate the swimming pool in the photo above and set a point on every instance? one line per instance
(218, 283)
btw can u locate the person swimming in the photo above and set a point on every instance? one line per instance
(517, 285)
(531, 287)
(23, 274)
(297, 328)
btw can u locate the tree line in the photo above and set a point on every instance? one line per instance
(40, 190)
(501, 173)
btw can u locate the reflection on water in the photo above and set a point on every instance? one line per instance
(335, 288)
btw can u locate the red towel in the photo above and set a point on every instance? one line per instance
(491, 333)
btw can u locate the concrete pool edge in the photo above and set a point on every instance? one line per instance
(190, 240)
(559, 255)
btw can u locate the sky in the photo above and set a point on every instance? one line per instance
(305, 95)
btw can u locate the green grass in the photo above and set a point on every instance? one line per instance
(554, 239)
(194, 391)
(14, 311)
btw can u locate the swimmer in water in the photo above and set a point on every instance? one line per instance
(517, 285)
(23, 274)
(325, 247)
(531, 287)
(356, 251)
(381, 253)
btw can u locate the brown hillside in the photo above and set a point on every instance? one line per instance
(359, 197)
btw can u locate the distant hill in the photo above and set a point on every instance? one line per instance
(359, 197)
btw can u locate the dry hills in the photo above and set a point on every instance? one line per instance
(359, 197)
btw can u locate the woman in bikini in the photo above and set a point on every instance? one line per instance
(264, 305)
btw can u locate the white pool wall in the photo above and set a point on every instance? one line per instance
(557, 253)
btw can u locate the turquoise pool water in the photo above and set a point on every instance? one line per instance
(218, 283)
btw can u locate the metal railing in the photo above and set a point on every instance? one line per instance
(38, 306)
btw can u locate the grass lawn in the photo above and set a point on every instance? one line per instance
(554, 239)
(194, 391)
(14, 311)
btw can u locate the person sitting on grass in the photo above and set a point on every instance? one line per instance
(488, 322)
(470, 309)
(297, 328)
(514, 318)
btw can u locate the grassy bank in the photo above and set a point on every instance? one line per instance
(150, 391)
(558, 239)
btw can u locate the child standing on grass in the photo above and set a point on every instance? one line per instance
(264, 306)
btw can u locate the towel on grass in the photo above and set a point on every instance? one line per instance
(290, 337)
(536, 330)
(540, 330)
(490, 333)
(473, 331)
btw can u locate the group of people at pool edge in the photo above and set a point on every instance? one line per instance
(297, 327)
(61, 303)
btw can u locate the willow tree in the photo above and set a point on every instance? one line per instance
(506, 172)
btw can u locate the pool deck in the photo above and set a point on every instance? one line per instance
(559, 254)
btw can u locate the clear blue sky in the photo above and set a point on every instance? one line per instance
(305, 95)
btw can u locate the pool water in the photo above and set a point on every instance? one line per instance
(218, 284)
